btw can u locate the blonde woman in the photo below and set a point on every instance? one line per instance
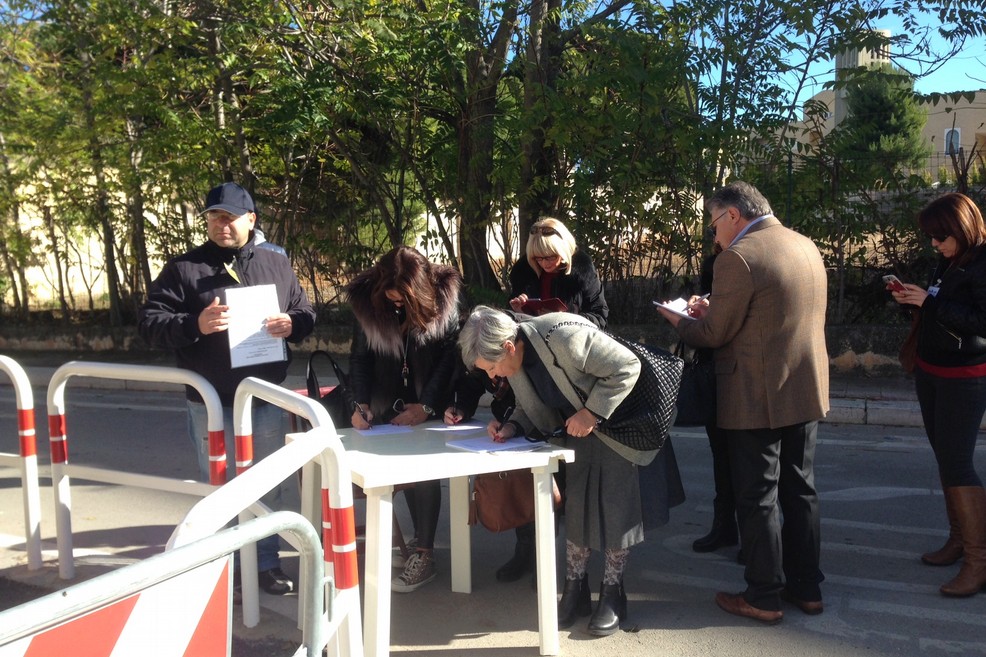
(555, 268)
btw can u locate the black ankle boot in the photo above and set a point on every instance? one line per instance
(610, 610)
(575, 601)
(723, 533)
(524, 559)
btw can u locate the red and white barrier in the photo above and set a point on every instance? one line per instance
(186, 615)
(26, 460)
(58, 438)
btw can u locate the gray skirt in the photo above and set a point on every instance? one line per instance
(602, 497)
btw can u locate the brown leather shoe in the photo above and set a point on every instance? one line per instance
(810, 607)
(736, 604)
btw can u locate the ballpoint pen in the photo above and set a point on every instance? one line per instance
(506, 418)
(362, 413)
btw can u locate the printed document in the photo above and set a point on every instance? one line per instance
(249, 341)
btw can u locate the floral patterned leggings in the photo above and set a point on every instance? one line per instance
(577, 558)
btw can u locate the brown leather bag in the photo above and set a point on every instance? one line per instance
(909, 350)
(505, 500)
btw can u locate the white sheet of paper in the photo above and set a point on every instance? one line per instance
(384, 430)
(678, 306)
(249, 341)
(457, 427)
(486, 444)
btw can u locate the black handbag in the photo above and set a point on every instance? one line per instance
(643, 419)
(338, 401)
(697, 393)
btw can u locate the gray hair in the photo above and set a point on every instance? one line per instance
(744, 197)
(484, 334)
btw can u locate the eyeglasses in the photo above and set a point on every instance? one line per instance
(712, 226)
(938, 238)
(543, 230)
(547, 258)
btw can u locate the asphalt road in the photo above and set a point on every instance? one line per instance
(880, 501)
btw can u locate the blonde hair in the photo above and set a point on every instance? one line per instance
(550, 237)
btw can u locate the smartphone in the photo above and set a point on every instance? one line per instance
(894, 283)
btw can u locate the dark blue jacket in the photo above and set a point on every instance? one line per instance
(189, 283)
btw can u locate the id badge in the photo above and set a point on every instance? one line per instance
(933, 290)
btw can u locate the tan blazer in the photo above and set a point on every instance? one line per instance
(766, 322)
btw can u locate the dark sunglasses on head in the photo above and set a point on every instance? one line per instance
(543, 230)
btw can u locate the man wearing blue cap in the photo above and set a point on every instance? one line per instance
(186, 312)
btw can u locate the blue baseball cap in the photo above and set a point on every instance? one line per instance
(229, 197)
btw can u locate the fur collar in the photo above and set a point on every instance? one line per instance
(381, 334)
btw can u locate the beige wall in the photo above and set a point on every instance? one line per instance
(967, 117)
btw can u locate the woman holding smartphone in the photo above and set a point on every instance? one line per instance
(950, 378)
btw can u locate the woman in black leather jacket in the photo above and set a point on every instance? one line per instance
(950, 378)
(401, 365)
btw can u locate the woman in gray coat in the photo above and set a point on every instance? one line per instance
(568, 374)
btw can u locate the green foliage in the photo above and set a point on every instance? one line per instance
(350, 121)
(881, 135)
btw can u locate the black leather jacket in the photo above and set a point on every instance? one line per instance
(952, 332)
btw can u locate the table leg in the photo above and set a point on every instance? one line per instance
(544, 518)
(461, 539)
(376, 602)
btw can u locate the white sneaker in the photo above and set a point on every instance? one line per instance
(398, 560)
(419, 570)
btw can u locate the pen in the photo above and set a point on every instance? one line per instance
(506, 418)
(705, 296)
(362, 413)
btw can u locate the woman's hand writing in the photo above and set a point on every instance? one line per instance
(362, 420)
(500, 431)
(453, 415)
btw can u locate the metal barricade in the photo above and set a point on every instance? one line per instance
(58, 437)
(323, 446)
(296, 404)
(26, 460)
(57, 622)
(246, 391)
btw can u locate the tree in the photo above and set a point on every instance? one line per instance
(880, 137)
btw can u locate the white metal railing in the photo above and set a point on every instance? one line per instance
(26, 460)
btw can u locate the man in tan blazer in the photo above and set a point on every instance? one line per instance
(766, 321)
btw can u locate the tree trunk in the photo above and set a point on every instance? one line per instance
(538, 191)
(102, 210)
(136, 205)
(57, 256)
(15, 270)
(475, 169)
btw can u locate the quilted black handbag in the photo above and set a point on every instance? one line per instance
(643, 419)
(697, 393)
(338, 401)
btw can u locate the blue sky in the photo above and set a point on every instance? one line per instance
(966, 71)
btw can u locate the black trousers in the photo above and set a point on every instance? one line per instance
(773, 473)
(952, 410)
(725, 502)
(424, 501)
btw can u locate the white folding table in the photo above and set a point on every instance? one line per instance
(379, 463)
